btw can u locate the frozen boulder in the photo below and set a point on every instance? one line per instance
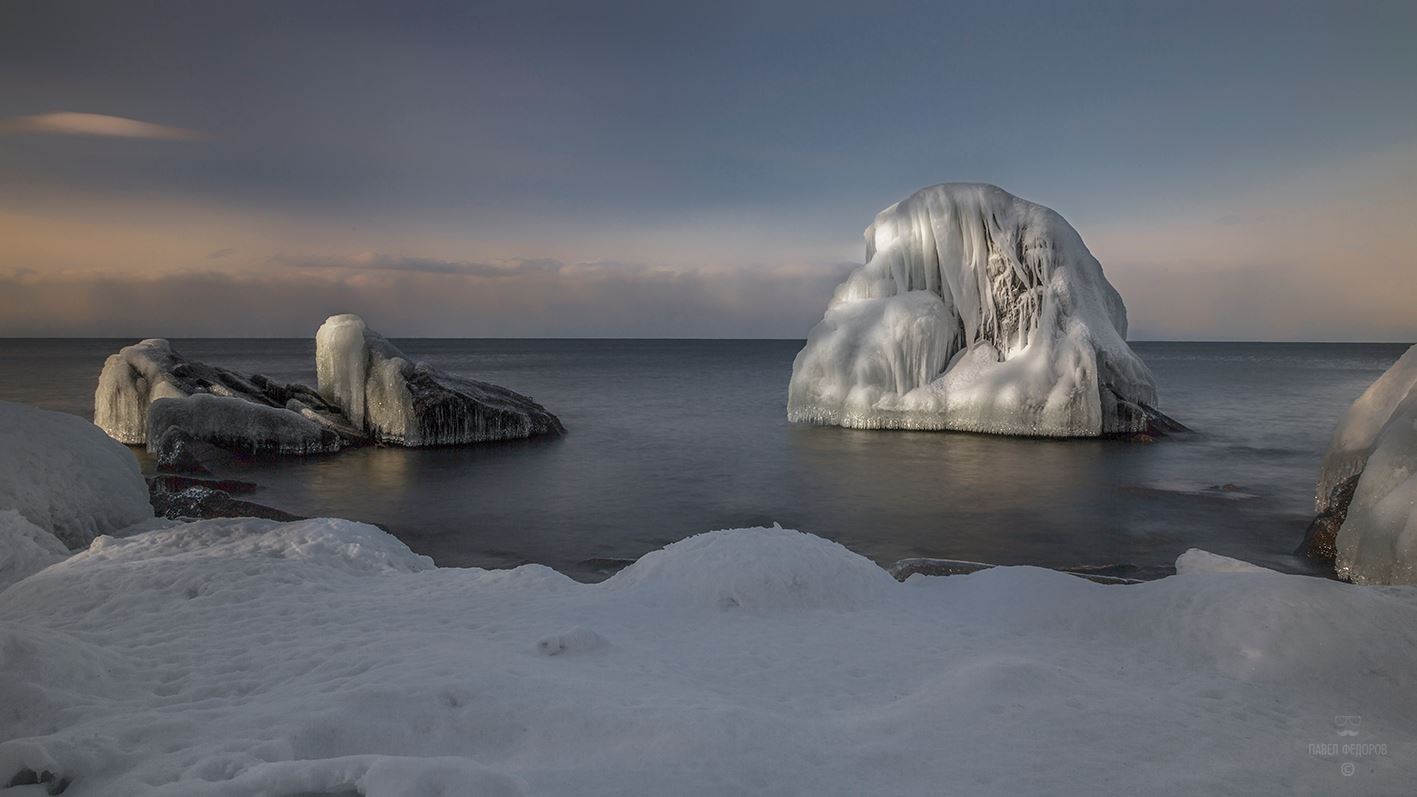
(398, 401)
(1376, 445)
(975, 311)
(65, 477)
(149, 393)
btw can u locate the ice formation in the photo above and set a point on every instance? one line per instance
(414, 404)
(975, 311)
(1376, 443)
(1357, 433)
(241, 657)
(149, 393)
(65, 477)
(238, 411)
(25, 549)
(237, 424)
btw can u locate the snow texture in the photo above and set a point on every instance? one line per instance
(975, 311)
(1357, 433)
(414, 404)
(66, 477)
(25, 548)
(241, 657)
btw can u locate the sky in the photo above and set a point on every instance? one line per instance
(1243, 171)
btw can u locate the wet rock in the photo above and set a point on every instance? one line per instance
(1321, 539)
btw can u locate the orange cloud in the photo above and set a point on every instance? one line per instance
(70, 123)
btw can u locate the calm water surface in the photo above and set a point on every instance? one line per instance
(672, 437)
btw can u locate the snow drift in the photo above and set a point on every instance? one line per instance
(975, 311)
(64, 477)
(239, 657)
(1376, 444)
(415, 404)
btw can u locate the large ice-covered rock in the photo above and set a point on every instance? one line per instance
(64, 476)
(975, 311)
(238, 424)
(414, 404)
(1369, 480)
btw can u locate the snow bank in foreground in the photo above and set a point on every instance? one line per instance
(975, 311)
(239, 657)
(25, 548)
(65, 476)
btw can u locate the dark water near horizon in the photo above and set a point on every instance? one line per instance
(668, 438)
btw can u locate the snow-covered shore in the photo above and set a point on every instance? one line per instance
(241, 657)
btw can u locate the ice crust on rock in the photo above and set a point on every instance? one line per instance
(236, 424)
(1377, 442)
(975, 311)
(398, 401)
(241, 412)
(66, 477)
(239, 657)
(1357, 433)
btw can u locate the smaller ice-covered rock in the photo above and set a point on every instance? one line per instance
(151, 370)
(63, 475)
(398, 401)
(235, 424)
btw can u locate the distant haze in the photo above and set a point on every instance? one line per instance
(1242, 170)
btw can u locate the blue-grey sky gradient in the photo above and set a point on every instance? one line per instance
(712, 156)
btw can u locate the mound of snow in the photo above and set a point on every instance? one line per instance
(755, 569)
(975, 311)
(66, 477)
(240, 657)
(415, 404)
(25, 548)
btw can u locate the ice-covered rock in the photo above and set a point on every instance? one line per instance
(63, 475)
(975, 311)
(398, 401)
(1366, 494)
(243, 412)
(237, 424)
(1357, 433)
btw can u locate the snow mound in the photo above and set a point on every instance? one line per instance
(1197, 561)
(755, 569)
(25, 548)
(63, 475)
(975, 311)
(414, 404)
(238, 657)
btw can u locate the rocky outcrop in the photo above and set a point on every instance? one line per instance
(395, 400)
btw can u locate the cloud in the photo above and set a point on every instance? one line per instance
(220, 253)
(95, 124)
(599, 299)
(378, 261)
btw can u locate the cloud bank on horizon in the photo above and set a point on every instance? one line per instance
(647, 170)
